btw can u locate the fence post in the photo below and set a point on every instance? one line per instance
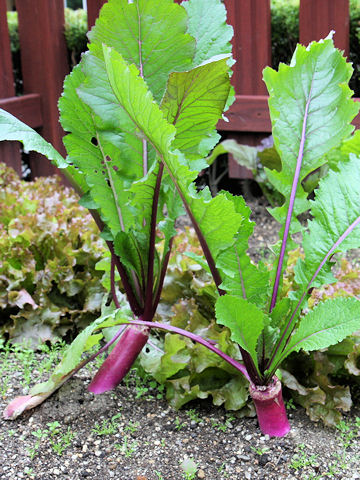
(9, 151)
(318, 17)
(251, 20)
(93, 8)
(44, 61)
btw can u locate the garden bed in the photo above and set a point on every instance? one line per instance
(129, 434)
(132, 433)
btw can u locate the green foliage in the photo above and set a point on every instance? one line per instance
(12, 21)
(140, 121)
(234, 312)
(335, 208)
(284, 30)
(49, 286)
(75, 33)
(120, 153)
(300, 89)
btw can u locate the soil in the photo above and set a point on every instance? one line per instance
(147, 440)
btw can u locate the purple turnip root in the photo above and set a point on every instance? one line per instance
(270, 408)
(120, 360)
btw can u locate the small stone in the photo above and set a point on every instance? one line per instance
(97, 453)
(201, 473)
(248, 437)
(244, 458)
(56, 471)
(264, 459)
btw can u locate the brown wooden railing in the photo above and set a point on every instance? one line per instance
(44, 66)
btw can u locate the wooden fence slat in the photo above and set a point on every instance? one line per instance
(26, 108)
(9, 151)
(249, 113)
(252, 51)
(318, 17)
(93, 8)
(44, 66)
(251, 43)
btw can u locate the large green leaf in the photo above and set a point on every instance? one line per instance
(207, 24)
(311, 109)
(151, 35)
(327, 324)
(244, 320)
(240, 276)
(13, 129)
(217, 217)
(96, 153)
(194, 102)
(335, 208)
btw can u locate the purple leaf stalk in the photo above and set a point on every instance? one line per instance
(120, 360)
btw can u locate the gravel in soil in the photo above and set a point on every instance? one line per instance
(130, 434)
(76, 435)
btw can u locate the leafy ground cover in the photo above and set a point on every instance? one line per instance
(49, 287)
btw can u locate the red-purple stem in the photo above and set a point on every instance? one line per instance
(248, 361)
(149, 294)
(133, 301)
(112, 283)
(291, 206)
(162, 277)
(195, 338)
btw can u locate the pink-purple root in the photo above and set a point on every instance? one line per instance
(270, 408)
(120, 360)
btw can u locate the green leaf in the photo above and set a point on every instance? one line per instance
(194, 102)
(216, 217)
(71, 358)
(151, 35)
(13, 129)
(207, 24)
(328, 323)
(309, 100)
(130, 247)
(244, 155)
(89, 337)
(240, 276)
(96, 153)
(335, 208)
(244, 320)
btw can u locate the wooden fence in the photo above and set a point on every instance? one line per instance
(44, 66)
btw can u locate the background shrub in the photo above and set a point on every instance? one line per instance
(75, 33)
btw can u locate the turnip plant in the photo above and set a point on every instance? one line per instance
(183, 60)
(140, 125)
